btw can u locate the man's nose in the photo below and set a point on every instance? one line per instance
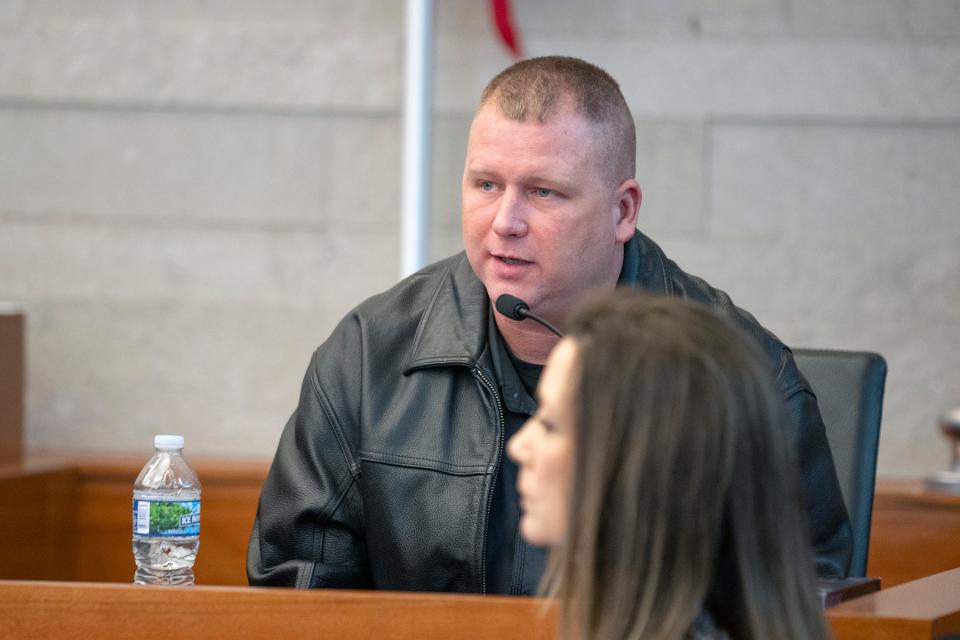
(511, 218)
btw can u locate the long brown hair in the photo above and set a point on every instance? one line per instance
(685, 492)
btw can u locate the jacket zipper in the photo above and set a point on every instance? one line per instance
(493, 482)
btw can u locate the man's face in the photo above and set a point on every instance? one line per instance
(543, 217)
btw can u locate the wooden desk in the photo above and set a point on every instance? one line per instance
(915, 532)
(69, 519)
(56, 610)
(920, 610)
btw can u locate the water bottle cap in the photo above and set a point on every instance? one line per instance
(168, 442)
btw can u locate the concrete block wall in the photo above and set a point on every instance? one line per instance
(193, 193)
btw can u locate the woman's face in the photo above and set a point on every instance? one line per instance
(543, 450)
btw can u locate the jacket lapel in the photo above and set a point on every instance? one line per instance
(453, 328)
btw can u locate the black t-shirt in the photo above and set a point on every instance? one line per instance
(528, 372)
(506, 548)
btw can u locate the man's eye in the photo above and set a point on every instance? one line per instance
(486, 185)
(544, 193)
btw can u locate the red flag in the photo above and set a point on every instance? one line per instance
(504, 22)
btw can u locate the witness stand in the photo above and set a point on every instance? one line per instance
(57, 610)
(921, 610)
(925, 608)
(66, 567)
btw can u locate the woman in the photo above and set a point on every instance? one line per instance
(657, 470)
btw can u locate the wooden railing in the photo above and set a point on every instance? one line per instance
(915, 532)
(920, 610)
(59, 610)
(69, 519)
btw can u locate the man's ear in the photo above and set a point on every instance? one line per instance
(628, 207)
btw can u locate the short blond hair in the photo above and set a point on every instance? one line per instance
(539, 88)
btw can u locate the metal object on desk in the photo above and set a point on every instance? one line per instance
(833, 591)
(949, 481)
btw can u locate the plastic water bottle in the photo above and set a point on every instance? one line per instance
(166, 516)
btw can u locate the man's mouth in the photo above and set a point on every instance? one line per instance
(506, 260)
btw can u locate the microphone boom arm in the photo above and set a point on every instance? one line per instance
(529, 314)
(512, 307)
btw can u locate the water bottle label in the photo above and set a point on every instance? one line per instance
(153, 518)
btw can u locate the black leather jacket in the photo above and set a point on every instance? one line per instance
(382, 478)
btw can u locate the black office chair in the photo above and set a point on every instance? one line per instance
(849, 390)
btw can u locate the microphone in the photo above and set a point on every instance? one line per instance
(516, 309)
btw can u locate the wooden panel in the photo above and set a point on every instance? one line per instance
(915, 533)
(920, 610)
(229, 505)
(81, 611)
(37, 509)
(71, 519)
(104, 521)
(923, 609)
(11, 385)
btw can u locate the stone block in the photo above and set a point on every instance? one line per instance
(449, 150)
(880, 20)
(462, 67)
(146, 167)
(464, 18)
(833, 181)
(301, 268)
(172, 63)
(213, 343)
(333, 16)
(670, 157)
(106, 376)
(901, 20)
(626, 20)
(615, 19)
(896, 295)
(752, 78)
(10, 14)
(739, 18)
(892, 56)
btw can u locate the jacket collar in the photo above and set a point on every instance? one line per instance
(644, 266)
(453, 327)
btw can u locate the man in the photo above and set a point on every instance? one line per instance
(390, 474)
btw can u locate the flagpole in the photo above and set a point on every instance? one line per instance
(416, 135)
